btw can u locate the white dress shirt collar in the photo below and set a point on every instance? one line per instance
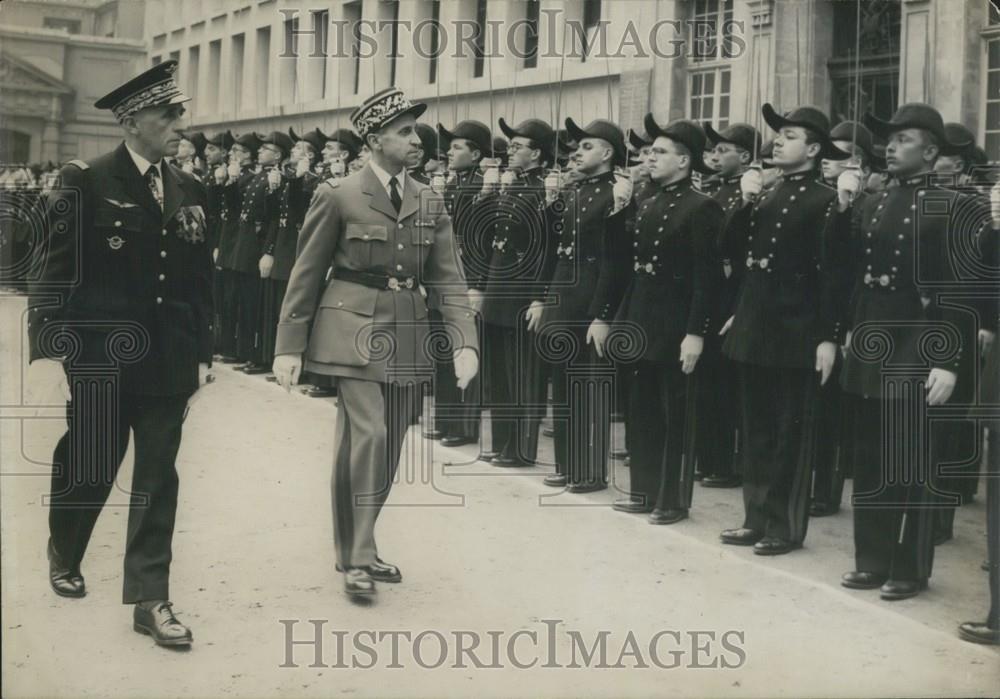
(384, 178)
(143, 165)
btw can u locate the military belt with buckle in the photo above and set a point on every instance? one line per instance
(881, 281)
(383, 282)
(761, 262)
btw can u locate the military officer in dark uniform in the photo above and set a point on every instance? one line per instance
(386, 236)
(676, 276)
(906, 261)
(222, 254)
(522, 245)
(457, 413)
(718, 410)
(786, 326)
(122, 318)
(591, 272)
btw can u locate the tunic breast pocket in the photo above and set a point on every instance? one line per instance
(366, 243)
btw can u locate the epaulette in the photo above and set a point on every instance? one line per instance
(79, 163)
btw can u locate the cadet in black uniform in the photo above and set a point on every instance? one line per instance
(834, 409)
(676, 276)
(889, 366)
(522, 248)
(215, 157)
(785, 329)
(457, 412)
(222, 254)
(590, 275)
(718, 422)
(124, 308)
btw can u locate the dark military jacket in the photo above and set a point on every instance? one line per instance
(730, 197)
(472, 230)
(793, 243)
(283, 232)
(231, 204)
(523, 248)
(593, 258)
(125, 285)
(213, 210)
(258, 210)
(676, 269)
(908, 258)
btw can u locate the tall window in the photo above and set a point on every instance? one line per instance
(532, 12)
(711, 35)
(878, 65)
(393, 40)
(480, 39)
(991, 124)
(435, 39)
(193, 67)
(591, 20)
(262, 68)
(236, 87)
(214, 73)
(352, 16)
(288, 65)
(709, 91)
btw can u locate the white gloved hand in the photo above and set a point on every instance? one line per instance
(751, 184)
(221, 175)
(301, 167)
(507, 179)
(273, 178)
(995, 204)
(622, 189)
(466, 362)
(438, 182)
(233, 170)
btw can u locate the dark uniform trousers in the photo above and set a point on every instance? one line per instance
(717, 406)
(993, 523)
(892, 503)
(582, 402)
(248, 290)
(831, 455)
(779, 428)
(85, 466)
(456, 411)
(516, 377)
(661, 445)
(366, 458)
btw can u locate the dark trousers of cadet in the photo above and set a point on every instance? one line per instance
(228, 303)
(248, 298)
(517, 396)
(718, 410)
(778, 425)
(830, 454)
(582, 401)
(372, 420)
(662, 421)
(623, 382)
(456, 412)
(273, 293)
(85, 466)
(893, 515)
(959, 468)
(993, 523)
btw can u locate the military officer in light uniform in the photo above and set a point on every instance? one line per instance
(671, 297)
(122, 318)
(385, 235)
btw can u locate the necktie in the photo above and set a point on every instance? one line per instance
(397, 201)
(151, 175)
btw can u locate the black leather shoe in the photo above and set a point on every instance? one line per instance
(862, 580)
(254, 369)
(618, 454)
(942, 537)
(432, 434)
(773, 546)
(671, 516)
(979, 633)
(358, 583)
(902, 589)
(698, 476)
(822, 509)
(556, 480)
(508, 462)
(627, 463)
(65, 581)
(320, 392)
(271, 378)
(733, 481)
(487, 456)
(225, 359)
(240, 366)
(741, 536)
(380, 571)
(580, 488)
(156, 619)
(548, 432)
(632, 506)
(457, 441)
